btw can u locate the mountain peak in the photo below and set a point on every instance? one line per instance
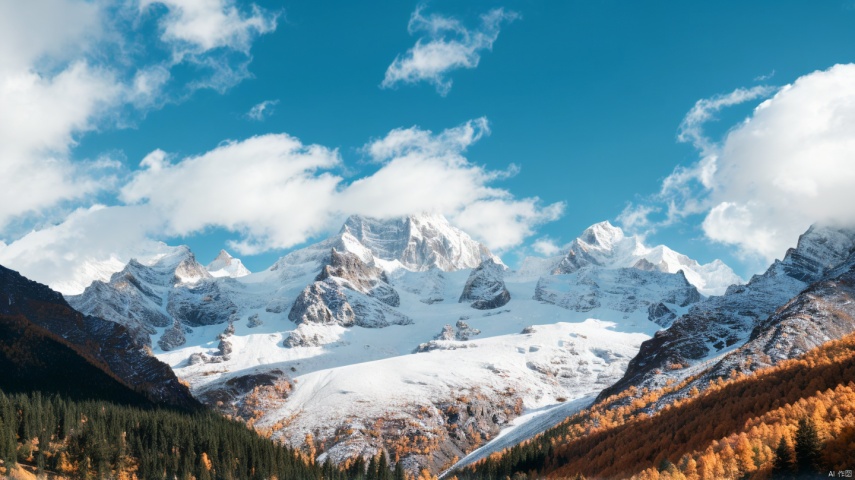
(603, 235)
(226, 265)
(606, 246)
(418, 242)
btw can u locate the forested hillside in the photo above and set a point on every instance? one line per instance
(97, 439)
(797, 418)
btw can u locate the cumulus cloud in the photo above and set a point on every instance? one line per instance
(56, 84)
(423, 171)
(277, 192)
(546, 246)
(196, 26)
(90, 243)
(40, 113)
(787, 166)
(272, 189)
(446, 45)
(261, 110)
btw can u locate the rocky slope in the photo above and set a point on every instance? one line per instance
(49, 342)
(798, 303)
(485, 288)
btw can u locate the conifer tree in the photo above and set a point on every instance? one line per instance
(383, 472)
(808, 447)
(783, 463)
(399, 472)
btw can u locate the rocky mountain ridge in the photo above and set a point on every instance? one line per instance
(268, 346)
(800, 302)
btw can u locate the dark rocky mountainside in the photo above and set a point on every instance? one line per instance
(46, 345)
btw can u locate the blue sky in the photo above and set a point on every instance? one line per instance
(567, 113)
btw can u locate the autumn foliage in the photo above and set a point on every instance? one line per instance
(731, 429)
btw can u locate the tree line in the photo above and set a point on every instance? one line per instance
(97, 439)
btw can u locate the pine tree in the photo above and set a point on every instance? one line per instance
(371, 473)
(783, 463)
(808, 447)
(399, 472)
(383, 472)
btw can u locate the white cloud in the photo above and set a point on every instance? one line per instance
(277, 192)
(787, 166)
(271, 188)
(262, 110)
(423, 171)
(704, 110)
(446, 45)
(89, 243)
(763, 78)
(214, 36)
(68, 67)
(39, 117)
(546, 246)
(636, 217)
(197, 26)
(42, 31)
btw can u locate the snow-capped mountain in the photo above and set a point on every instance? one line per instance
(605, 245)
(806, 294)
(418, 242)
(323, 341)
(226, 265)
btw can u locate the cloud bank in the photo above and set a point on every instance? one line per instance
(787, 166)
(276, 192)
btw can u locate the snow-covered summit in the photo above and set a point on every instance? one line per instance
(226, 265)
(418, 242)
(605, 245)
(415, 242)
(601, 236)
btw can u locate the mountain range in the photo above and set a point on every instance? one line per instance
(406, 336)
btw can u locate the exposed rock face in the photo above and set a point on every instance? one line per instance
(419, 242)
(353, 273)
(347, 292)
(324, 303)
(464, 331)
(625, 290)
(485, 289)
(822, 312)
(253, 321)
(174, 289)
(172, 338)
(448, 339)
(117, 354)
(746, 314)
(660, 314)
(446, 430)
